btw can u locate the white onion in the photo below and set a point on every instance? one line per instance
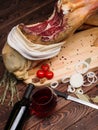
(76, 80)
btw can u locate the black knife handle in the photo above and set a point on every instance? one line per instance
(61, 94)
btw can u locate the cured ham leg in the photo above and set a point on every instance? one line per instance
(67, 16)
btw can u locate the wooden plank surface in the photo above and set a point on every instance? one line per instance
(68, 115)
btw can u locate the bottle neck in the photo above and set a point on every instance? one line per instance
(28, 91)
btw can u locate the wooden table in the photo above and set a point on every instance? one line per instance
(68, 115)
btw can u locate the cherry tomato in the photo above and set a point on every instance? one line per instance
(40, 74)
(49, 74)
(45, 67)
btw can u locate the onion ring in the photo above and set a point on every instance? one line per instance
(88, 84)
(90, 74)
(94, 79)
(91, 78)
(65, 79)
(71, 89)
(84, 70)
(54, 84)
(80, 91)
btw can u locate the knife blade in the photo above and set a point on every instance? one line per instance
(71, 98)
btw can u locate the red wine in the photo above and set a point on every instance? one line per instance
(43, 102)
(20, 111)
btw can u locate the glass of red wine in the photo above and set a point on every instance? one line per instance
(43, 102)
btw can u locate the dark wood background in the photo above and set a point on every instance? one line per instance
(68, 115)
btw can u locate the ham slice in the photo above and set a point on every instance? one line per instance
(47, 29)
(37, 29)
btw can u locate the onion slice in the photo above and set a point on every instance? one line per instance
(54, 84)
(70, 89)
(80, 69)
(90, 74)
(91, 78)
(76, 80)
(65, 79)
(79, 91)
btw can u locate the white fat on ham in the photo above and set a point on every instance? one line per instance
(65, 9)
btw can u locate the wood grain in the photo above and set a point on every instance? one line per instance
(67, 115)
(20, 9)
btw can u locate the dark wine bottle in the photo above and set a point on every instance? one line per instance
(20, 111)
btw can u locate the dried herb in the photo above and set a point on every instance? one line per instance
(88, 60)
(84, 97)
(95, 99)
(9, 82)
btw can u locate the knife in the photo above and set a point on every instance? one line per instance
(71, 98)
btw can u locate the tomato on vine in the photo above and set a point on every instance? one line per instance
(45, 67)
(49, 74)
(45, 72)
(40, 74)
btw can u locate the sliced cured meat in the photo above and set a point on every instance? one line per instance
(56, 20)
(37, 28)
(51, 31)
